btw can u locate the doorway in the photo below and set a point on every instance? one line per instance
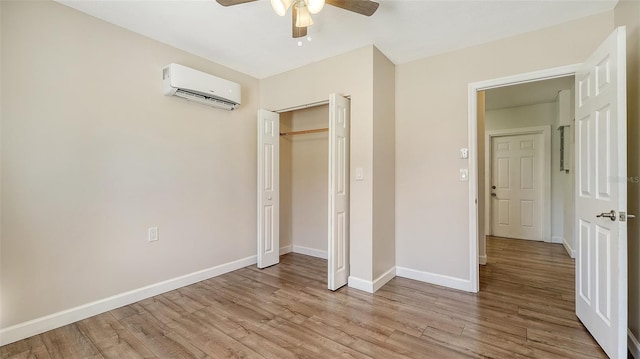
(336, 189)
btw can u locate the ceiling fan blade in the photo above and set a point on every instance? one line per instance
(232, 2)
(363, 7)
(296, 32)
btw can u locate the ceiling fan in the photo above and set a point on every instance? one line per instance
(301, 10)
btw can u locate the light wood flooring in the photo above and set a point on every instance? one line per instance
(525, 309)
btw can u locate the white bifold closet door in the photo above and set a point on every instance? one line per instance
(268, 188)
(338, 191)
(338, 255)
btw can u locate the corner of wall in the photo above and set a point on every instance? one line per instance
(384, 156)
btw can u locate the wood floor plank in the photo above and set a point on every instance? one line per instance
(69, 342)
(31, 348)
(112, 339)
(159, 338)
(416, 346)
(525, 309)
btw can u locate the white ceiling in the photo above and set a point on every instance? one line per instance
(252, 39)
(530, 93)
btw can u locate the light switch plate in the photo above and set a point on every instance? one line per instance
(464, 153)
(152, 234)
(359, 174)
(464, 174)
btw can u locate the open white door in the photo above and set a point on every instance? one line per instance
(268, 188)
(601, 195)
(338, 256)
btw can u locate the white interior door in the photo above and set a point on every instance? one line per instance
(338, 233)
(268, 188)
(601, 191)
(517, 172)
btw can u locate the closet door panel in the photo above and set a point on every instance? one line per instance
(338, 231)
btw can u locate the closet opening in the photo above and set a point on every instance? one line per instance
(304, 179)
(303, 185)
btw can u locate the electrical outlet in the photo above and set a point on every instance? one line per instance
(152, 234)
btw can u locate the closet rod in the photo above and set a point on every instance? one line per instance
(293, 133)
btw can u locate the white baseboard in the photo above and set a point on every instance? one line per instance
(482, 260)
(632, 343)
(285, 250)
(372, 286)
(557, 239)
(383, 279)
(433, 278)
(568, 248)
(310, 251)
(360, 284)
(40, 325)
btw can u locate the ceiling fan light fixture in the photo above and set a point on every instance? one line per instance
(315, 5)
(280, 6)
(304, 18)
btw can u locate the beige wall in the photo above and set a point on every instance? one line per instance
(542, 114)
(93, 154)
(432, 219)
(384, 142)
(309, 178)
(627, 13)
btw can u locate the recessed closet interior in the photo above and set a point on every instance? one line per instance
(304, 171)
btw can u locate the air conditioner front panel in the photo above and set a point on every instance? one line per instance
(193, 81)
(205, 100)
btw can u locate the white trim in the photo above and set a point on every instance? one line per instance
(310, 251)
(433, 278)
(483, 260)
(59, 319)
(285, 250)
(360, 284)
(372, 286)
(633, 345)
(472, 96)
(301, 107)
(568, 248)
(473, 195)
(384, 278)
(557, 239)
(545, 131)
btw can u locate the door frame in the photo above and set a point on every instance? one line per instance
(348, 176)
(472, 93)
(545, 131)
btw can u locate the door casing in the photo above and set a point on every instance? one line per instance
(473, 88)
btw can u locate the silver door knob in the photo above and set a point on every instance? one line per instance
(269, 198)
(611, 215)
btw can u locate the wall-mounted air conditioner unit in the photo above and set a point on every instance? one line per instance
(200, 87)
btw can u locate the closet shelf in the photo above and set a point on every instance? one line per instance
(293, 133)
